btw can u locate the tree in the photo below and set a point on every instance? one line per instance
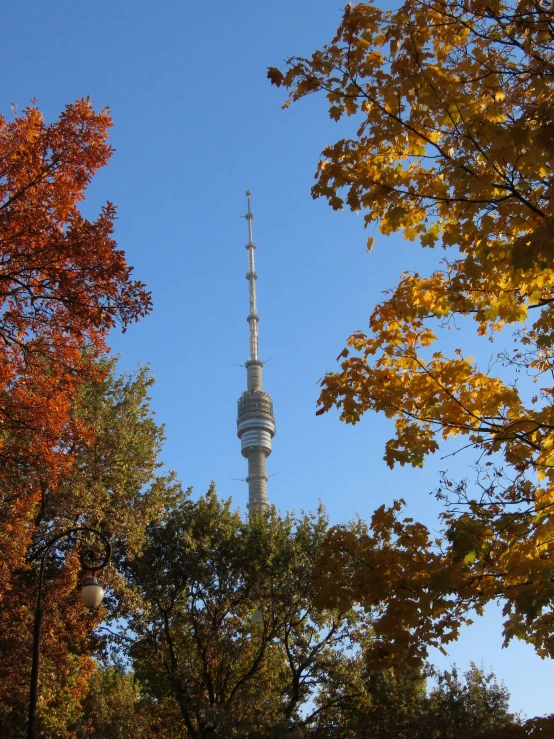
(225, 639)
(394, 706)
(114, 483)
(474, 706)
(115, 708)
(63, 285)
(223, 625)
(454, 147)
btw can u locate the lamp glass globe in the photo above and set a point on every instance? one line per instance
(92, 593)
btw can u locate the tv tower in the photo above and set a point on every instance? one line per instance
(255, 421)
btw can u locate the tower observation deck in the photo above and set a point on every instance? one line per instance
(255, 421)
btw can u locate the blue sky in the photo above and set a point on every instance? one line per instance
(195, 120)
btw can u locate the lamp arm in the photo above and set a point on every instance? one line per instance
(45, 549)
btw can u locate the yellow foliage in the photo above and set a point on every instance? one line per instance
(455, 147)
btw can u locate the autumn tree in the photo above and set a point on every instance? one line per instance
(454, 148)
(63, 285)
(223, 622)
(225, 638)
(469, 706)
(116, 708)
(401, 705)
(114, 483)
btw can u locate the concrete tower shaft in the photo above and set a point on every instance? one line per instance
(255, 421)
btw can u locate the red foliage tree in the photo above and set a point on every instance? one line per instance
(63, 285)
(63, 282)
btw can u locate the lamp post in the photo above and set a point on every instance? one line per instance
(91, 595)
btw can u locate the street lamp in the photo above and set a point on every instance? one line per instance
(91, 595)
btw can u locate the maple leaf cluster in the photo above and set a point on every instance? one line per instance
(454, 148)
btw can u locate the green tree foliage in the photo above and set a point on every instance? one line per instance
(116, 708)
(225, 623)
(472, 706)
(224, 632)
(113, 482)
(400, 705)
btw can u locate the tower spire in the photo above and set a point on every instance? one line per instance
(251, 276)
(255, 421)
